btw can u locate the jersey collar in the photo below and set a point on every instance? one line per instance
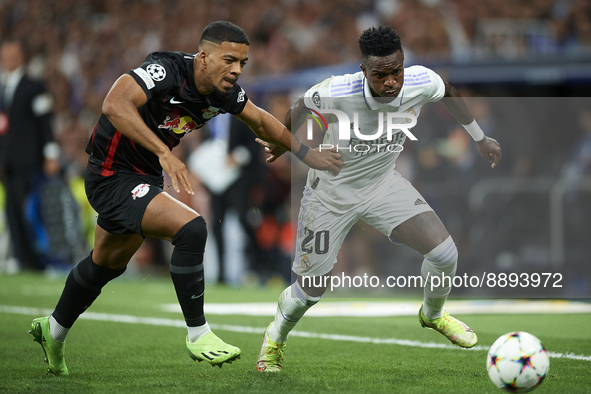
(191, 77)
(372, 104)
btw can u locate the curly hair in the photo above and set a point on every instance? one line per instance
(381, 41)
(220, 31)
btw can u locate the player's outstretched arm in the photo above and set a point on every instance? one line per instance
(120, 107)
(488, 147)
(293, 120)
(269, 129)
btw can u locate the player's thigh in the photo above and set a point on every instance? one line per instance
(320, 235)
(422, 232)
(165, 216)
(402, 214)
(114, 250)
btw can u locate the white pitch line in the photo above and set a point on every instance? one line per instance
(153, 321)
(396, 308)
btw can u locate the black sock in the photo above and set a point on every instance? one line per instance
(186, 270)
(82, 287)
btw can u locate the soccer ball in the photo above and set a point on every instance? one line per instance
(517, 362)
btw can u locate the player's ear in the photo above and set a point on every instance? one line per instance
(363, 69)
(202, 58)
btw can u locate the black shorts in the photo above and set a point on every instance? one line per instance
(121, 199)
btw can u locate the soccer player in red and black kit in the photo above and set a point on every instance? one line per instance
(145, 114)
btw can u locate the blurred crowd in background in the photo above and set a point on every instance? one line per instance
(78, 48)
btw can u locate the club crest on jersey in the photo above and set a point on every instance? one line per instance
(140, 190)
(210, 112)
(181, 125)
(306, 262)
(411, 110)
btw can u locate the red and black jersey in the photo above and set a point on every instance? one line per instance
(174, 108)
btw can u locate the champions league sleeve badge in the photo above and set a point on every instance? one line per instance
(156, 72)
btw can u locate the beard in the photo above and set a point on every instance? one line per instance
(221, 94)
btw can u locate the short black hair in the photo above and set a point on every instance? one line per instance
(381, 41)
(222, 31)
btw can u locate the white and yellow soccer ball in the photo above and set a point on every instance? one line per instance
(517, 362)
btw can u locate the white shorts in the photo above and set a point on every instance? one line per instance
(321, 232)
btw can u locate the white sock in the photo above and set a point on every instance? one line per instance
(196, 333)
(441, 260)
(292, 305)
(57, 331)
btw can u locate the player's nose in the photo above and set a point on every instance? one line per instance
(236, 69)
(390, 81)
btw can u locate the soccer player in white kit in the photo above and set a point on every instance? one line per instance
(368, 187)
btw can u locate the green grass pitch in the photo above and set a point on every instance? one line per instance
(114, 357)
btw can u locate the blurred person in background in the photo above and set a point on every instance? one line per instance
(578, 164)
(272, 195)
(575, 170)
(230, 172)
(26, 146)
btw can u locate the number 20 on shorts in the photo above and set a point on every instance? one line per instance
(321, 239)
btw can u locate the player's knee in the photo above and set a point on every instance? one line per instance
(444, 253)
(191, 237)
(311, 296)
(442, 259)
(313, 286)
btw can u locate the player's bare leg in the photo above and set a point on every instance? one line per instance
(315, 291)
(426, 234)
(165, 216)
(293, 302)
(422, 232)
(170, 219)
(114, 251)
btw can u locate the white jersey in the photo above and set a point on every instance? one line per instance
(368, 164)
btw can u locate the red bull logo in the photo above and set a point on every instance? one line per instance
(182, 125)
